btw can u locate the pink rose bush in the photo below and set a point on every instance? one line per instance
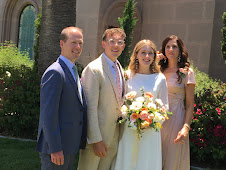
(208, 128)
(143, 112)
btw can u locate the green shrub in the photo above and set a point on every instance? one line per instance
(208, 132)
(19, 105)
(12, 57)
(19, 93)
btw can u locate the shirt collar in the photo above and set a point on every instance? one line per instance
(67, 62)
(109, 61)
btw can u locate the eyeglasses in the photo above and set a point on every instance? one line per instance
(113, 42)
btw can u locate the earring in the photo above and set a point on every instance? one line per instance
(179, 58)
(153, 67)
(137, 63)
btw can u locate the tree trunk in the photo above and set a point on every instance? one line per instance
(56, 15)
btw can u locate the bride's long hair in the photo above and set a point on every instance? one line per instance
(134, 63)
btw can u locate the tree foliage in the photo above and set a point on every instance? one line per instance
(127, 22)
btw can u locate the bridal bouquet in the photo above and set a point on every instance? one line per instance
(143, 112)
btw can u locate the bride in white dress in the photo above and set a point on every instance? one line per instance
(144, 153)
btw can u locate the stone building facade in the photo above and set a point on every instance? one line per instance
(197, 22)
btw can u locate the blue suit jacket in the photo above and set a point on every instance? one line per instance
(63, 118)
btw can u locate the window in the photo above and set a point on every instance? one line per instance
(27, 30)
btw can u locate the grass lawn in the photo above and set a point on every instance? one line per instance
(20, 155)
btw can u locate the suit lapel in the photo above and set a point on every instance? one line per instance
(108, 71)
(70, 77)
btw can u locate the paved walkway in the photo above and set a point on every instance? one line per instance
(17, 138)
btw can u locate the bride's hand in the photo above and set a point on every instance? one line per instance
(182, 135)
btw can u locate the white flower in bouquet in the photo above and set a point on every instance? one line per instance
(159, 101)
(151, 105)
(132, 126)
(159, 118)
(140, 99)
(130, 95)
(151, 116)
(135, 106)
(124, 110)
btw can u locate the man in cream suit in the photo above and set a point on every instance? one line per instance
(104, 86)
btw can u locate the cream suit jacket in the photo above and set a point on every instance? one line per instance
(103, 105)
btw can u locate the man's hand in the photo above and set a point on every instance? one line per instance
(100, 149)
(57, 158)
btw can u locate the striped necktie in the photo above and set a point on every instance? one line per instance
(118, 83)
(78, 82)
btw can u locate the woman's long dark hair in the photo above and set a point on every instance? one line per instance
(184, 62)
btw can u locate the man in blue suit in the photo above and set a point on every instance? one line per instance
(63, 110)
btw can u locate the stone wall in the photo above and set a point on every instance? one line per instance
(10, 11)
(196, 22)
(217, 65)
(87, 18)
(191, 20)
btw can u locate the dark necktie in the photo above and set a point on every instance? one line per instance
(78, 82)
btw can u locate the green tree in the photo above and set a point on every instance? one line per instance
(223, 43)
(127, 22)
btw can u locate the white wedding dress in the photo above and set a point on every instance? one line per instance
(146, 153)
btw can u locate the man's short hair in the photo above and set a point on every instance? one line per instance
(112, 31)
(64, 32)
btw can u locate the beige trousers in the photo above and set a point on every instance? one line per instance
(89, 161)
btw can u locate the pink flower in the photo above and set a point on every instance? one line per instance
(126, 76)
(198, 112)
(194, 105)
(218, 111)
(149, 95)
(183, 71)
(143, 115)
